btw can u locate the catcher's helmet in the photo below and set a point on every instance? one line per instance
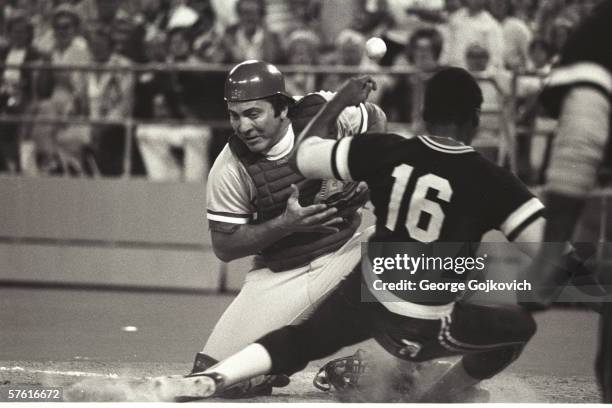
(252, 80)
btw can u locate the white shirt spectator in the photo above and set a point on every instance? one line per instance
(481, 29)
(406, 23)
(109, 92)
(517, 37)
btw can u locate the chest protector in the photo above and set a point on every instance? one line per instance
(273, 180)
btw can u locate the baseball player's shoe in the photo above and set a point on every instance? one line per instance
(195, 386)
(255, 387)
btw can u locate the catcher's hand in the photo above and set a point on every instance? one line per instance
(311, 218)
(346, 198)
(342, 373)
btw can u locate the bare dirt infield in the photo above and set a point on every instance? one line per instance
(62, 337)
(507, 387)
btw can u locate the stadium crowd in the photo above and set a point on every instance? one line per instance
(491, 38)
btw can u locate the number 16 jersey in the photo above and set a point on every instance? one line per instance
(426, 189)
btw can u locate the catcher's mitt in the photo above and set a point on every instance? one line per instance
(342, 374)
(346, 197)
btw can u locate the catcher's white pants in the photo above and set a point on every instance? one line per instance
(270, 300)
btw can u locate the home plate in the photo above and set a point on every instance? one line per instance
(153, 389)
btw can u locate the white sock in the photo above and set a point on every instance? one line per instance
(251, 361)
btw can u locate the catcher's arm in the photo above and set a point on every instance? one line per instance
(233, 241)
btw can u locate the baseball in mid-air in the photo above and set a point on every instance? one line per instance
(376, 48)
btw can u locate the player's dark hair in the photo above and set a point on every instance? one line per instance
(431, 34)
(279, 103)
(452, 96)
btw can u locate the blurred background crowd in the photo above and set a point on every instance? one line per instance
(496, 39)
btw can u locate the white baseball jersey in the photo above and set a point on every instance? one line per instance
(230, 191)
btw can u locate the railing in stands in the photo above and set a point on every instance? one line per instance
(130, 122)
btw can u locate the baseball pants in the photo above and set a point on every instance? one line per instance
(488, 337)
(270, 300)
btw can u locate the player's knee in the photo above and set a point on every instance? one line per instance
(517, 324)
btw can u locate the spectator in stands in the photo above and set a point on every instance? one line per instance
(100, 13)
(558, 33)
(109, 95)
(495, 85)
(209, 47)
(350, 51)
(527, 109)
(304, 14)
(408, 16)
(152, 90)
(540, 57)
(108, 92)
(285, 16)
(396, 20)
(451, 7)
(517, 34)
(404, 102)
(477, 58)
(128, 42)
(58, 146)
(250, 38)
(3, 18)
(474, 24)
(525, 10)
(208, 44)
(17, 86)
(69, 49)
(170, 152)
(207, 33)
(153, 18)
(302, 49)
(451, 10)
(44, 37)
(180, 46)
(551, 13)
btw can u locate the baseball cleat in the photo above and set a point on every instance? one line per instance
(192, 387)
